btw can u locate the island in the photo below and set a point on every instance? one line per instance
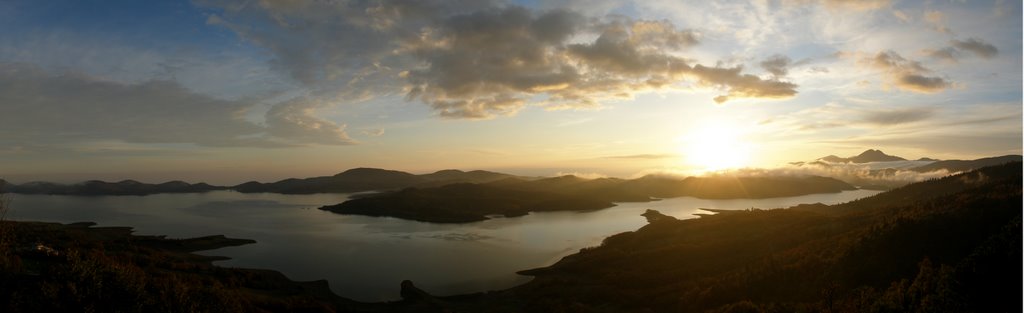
(511, 197)
(463, 203)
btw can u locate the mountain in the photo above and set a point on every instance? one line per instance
(466, 202)
(869, 155)
(369, 179)
(121, 188)
(458, 176)
(961, 165)
(353, 180)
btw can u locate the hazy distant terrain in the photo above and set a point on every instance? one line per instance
(883, 172)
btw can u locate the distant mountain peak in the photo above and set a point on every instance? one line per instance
(872, 153)
(359, 171)
(450, 171)
(869, 155)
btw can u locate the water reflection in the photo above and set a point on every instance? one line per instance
(365, 258)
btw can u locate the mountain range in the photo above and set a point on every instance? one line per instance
(96, 187)
(373, 179)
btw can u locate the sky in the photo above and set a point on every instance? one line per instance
(232, 91)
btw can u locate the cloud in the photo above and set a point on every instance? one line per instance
(478, 59)
(898, 116)
(852, 173)
(643, 156)
(297, 121)
(834, 115)
(778, 65)
(902, 16)
(856, 5)
(957, 48)
(977, 46)
(906, 74)
(937, 20)
(47, 108)
(582, 175)
(373, 132)
(948, 54)
(743, 85)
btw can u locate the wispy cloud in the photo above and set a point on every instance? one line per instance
(642, 156)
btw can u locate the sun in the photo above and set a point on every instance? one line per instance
(716, 146)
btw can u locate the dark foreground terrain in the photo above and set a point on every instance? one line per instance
(946, 245)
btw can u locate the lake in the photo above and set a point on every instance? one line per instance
(365, 258)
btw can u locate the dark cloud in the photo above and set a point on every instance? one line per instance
(948, 54)
(47, 108)
(898, 116)
(777, 65)
(477, 59)
(976, 46)
(921, 83)
(957, 49)
(743, 85)
(907, 74)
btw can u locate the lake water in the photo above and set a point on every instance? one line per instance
(365, 258)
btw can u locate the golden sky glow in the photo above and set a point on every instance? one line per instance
(225, 92)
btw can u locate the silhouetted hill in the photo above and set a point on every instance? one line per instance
(458, 176)
(966, 165)
(948, 245)
(353, 180)
(369, 179)
(462, 203)
(99, 188)
(870, 155)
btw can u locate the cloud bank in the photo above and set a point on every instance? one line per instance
(479, 59)
(862, 175)
(59, 108)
